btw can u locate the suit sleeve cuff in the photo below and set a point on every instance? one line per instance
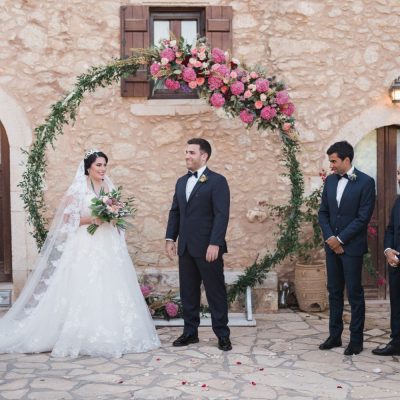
(385, 251)
(169, 240)
(338, 238)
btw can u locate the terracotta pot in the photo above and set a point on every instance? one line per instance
(310, 285)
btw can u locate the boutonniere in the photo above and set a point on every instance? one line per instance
(203, 178)
(352, 177)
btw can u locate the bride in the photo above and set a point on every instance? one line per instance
(83, 297)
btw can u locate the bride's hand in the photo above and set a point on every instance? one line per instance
(96, 221)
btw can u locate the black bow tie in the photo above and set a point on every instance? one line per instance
(342, 176)
(190, 174)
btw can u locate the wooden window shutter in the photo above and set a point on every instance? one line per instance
(219, 26)
(135, 34)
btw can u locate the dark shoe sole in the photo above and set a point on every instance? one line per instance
(322, 347)
(388, 354)
(225, 348)
(353, 353)
(186, 343)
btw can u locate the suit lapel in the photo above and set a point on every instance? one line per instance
(198, 184)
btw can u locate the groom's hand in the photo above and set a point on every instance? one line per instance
(335, 245)
(212, 252)
(170, 249)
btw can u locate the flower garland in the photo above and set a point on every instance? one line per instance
(251, 96)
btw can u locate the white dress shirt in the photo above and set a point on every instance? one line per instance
(342, 185)
(191, 182)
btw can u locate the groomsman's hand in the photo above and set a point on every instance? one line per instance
(170, 249)
(212, 253)
(391, 257)
(335, 245)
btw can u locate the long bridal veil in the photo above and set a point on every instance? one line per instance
(66, 222)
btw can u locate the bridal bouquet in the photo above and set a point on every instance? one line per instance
(109, 207)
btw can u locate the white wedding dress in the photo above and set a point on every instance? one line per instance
(88, 303)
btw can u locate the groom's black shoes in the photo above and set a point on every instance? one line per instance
(388, 350)
(353, 348)
(185, 340)
(330, 343)
(224, 343)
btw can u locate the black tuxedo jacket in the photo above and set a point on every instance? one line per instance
(203, 219)
(349, 221)
(392, 232)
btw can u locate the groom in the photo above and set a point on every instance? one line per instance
(199, 216)
(347, 203)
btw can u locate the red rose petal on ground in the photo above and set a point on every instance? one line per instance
(158, 359)
(339, 387)
(121, 381)
(203, 385)
(238, 362)
(253, 383)
(261, 369)
(184, 382)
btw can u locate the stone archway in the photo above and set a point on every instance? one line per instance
(18, 130)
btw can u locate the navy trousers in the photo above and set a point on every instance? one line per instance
(394, 288)
(344, 270)
(193, 271)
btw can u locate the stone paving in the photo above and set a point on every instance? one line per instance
(278, 359)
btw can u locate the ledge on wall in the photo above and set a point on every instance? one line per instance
(170, 107)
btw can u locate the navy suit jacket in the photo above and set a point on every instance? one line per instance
(392, 232)
(349, 221)
(203, 219)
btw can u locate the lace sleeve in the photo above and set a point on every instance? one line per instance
(71, 214)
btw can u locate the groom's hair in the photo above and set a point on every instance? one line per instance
(342, 149)
(205, 146)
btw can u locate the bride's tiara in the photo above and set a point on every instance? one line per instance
(90, 152)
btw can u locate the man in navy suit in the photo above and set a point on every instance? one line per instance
(199, 216)
(392, 248)
(347, 203)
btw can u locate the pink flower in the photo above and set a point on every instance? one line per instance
(253, 75)
(171, 84)
(168, 53)
(189, 75)
(287, 126)
(214, 82)
(282, 97)
(372, 231)
(192, 84)
(246, 116)
(146, 290)
(247, 94)
(237, 88)
(224, 89)
(268, 113)
(233, 75)
(155, 69)
(171, 309)
(218, 55)
(287, 109)
(217, 100)
(381, 281)
(200, 81)
(258, 104)
(262, 85)
(223, 70)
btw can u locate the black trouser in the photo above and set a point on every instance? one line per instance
(345, 270)
(394, 287)
(193, 271)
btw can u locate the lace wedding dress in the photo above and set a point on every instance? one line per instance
(84, 297)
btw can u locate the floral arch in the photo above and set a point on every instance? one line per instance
(226, 85)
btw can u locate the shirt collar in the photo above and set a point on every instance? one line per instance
(350, 171)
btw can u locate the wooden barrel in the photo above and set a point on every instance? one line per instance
(310, 285)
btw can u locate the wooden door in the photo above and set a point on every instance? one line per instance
(5, 214)
(386, 185)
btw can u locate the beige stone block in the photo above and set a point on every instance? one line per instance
(167, 133)
(33, 37)
(123, 151)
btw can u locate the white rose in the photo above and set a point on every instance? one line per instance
(263, 97)
(164, 61)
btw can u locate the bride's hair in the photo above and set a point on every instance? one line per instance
(91, 157)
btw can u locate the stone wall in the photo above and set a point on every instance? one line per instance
(338, 58)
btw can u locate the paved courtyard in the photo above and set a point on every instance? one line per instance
(278, 359)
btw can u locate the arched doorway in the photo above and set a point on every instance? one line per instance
(378, 154)
(5, 210)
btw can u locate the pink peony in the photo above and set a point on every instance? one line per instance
(189, 74)
(287, 109)
(233, 74)
(247, 94)
(262, 85)
(171, 84)
(217, 100)
(218, 55)
(246, 116)
(282, 97)
(268, 113)
(155, 69)
(237, 88)
(168, 53)
(253, 75)
(171, 309)
(214, 82)
(146, 290)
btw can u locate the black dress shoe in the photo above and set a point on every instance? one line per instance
(353, 348)
(185, 340)
(330, 343)
(388, 350)
(224, 343)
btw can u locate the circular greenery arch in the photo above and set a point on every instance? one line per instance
(64, 112)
